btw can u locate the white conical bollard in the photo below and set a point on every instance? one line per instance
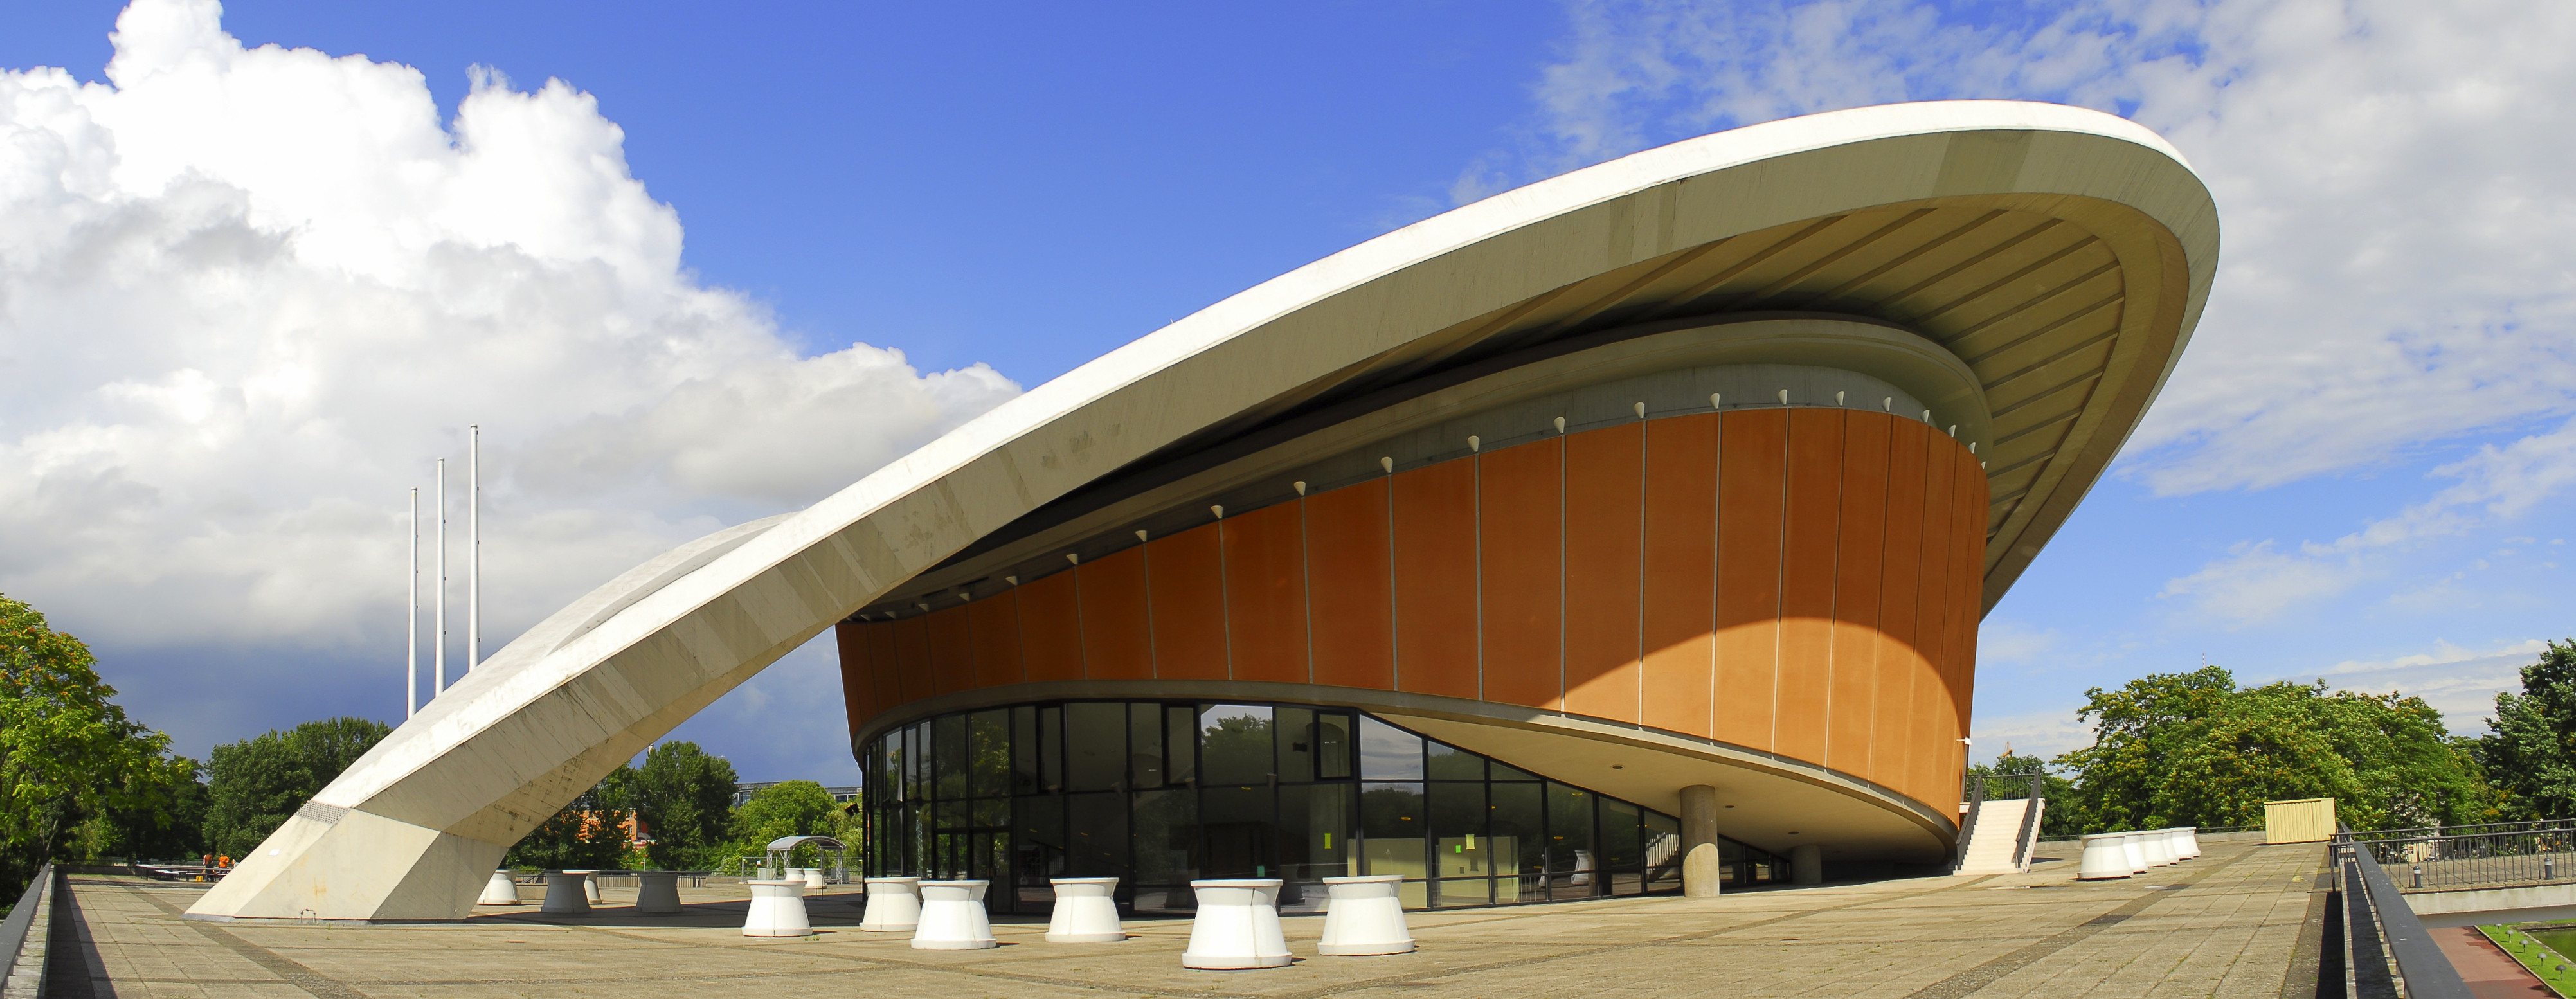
(659, 894)
(590, 886)
(2159, 850)
(564, 896)
(2191, 841)
(777, 909)
(501, 890)
(894, 905)
(2103, 858)
(1237, 926)
(2136, 854)
(1364, 917)
(952, 917)
(814, 880)
(1086, 911)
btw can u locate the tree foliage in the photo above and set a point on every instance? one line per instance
(255, 784)
(685, 798)
(2530, 746)
(69, 757)
(787, 808)
(591, 833)
(2195, 749)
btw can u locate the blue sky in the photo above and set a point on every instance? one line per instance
(646, 280)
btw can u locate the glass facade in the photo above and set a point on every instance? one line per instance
(1159, 793)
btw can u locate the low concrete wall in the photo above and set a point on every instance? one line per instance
(2478, 906)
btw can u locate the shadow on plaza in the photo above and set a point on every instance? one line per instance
(827, 913)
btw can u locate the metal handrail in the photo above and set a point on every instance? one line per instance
(2480, 829)
(1968, 825)
(21, 921)
(2023, 843)
(2428, 973)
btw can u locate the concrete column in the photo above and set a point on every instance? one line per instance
(1702, 871)
(1807, 865)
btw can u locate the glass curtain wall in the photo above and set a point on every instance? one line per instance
(1159, 793)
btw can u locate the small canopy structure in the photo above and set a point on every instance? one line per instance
(784, 848)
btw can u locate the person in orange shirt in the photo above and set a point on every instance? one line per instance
(223, 862)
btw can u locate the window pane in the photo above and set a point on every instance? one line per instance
(916, 762)
(1387, 753)
(1569, 830)
(948, 756)
(1051, 748)
(1024, 751)
(1234, 744)
(1240, 823)
(988, 747)
(1181, 744)
(1504, 772)
(1467, 891)
(1619, 847)
(1039, 821)
(992, 813)
(1459, 845)
(1332, 746)
(1097, 825)
(1315, 831)
(1391, 825)
(1663, 852)
(1519, 844)
(1296, 744)
(1166, 837)
(1144, 745)
(1452, 763)
(1096, 752)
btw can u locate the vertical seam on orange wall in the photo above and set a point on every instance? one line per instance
(1834, 591)
(1306, 581)
(1153, 656)
(1563, 582)
(1878, 640)
(1081, 641)
(1224, 600)
(1476, 523)
(1716, 555)
(1394, 597)
(1645, 454)
(1780, 568)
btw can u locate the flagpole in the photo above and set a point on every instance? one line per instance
(411, 621)
(438, 684)
(473, 546)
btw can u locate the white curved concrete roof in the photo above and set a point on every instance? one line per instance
(414, 828)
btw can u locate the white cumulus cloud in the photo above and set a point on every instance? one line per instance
(247, 294)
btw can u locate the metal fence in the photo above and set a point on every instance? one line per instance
(2383, 950)
(2501, 855)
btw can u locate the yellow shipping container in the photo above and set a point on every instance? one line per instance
(2308, 820)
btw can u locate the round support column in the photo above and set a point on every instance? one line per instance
(1703, 870)
(1807, 865)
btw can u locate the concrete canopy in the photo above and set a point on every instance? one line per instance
(2060, 255)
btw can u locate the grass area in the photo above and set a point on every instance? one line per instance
(2542, 951)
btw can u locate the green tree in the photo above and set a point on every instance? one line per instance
(2529, 749)
(254, 785)
(68, 754)
(2194, 749)
(2063, 815)
(684, 796)
(787, 808)
(589, 834)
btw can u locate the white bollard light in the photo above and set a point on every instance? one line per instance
(2137, 855)
(564, 895)
(2191, 841)
(777, 909)
(660, 893)
(952, 917)
(2103, 858)
(1364, 918)
(590, 886)
(2158, 850)
(1086, 911)
(2172, 837)
(501, 890)
(814, 880)
(1237, 926)
(894, 905)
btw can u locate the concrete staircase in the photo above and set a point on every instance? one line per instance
(1996, 838)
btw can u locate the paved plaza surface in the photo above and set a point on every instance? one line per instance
(2227, 924)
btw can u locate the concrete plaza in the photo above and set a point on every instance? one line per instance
(2227, 924)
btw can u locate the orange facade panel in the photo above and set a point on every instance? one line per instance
(1678, 674)
(996, 630)
(1812, 522)
(858, 679)
(1751, 482)
(1351, 586)
(1187, 576)
(952, 650)
(1604, 501)
(1435, 580)
(912, 658)
(1939, 587)
(1860, 540)
(1265, 592)
(1051, 627)
(1116, 637)
(884, 663)
(1893, 739)
(1519, 518)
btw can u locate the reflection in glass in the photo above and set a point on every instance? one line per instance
(988, 753)
(1663, 852)
(1296, 728)
(1462, 891)
(948, 756)
(1391, 829)
(1096, 745)
(1388, 752)
(1240, 823)
(1459, 845)
(1235, 744)
(1179, 726)
(1166, 837)
(1315, 831)
(1620, 856)
(1520, 840)
(1024, 750)
(1051, 748)
(1452, 763)
(1144, 745)
(1569, 842)
(1097, 825)
(1332, 745)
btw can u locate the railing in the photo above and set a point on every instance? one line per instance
(2508, 855)
(2383, 945)
(2029, 837)
(2000, 787)
(22, 948)
(1976, 793)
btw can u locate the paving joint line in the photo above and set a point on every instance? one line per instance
(1994, 969)
(291, 972)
